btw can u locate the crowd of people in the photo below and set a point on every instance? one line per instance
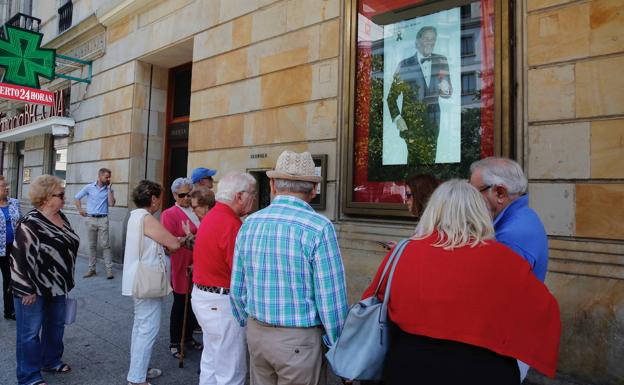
(269, 294)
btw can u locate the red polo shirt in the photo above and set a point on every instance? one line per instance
(214, 247)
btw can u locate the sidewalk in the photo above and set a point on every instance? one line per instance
(97, 345)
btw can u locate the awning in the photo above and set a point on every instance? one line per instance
(56, 125)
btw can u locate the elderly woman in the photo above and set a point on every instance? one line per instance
(465, 307)
(145, 237)
(175, 219)
(42, 273)
(10, 213)
(202, 200)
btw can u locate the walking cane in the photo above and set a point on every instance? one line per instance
(184, 320)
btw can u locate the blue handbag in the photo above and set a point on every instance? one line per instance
(359, 352)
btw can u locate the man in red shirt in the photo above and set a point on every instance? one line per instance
(224, 357)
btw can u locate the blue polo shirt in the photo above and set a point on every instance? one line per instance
(97, 198)
(519, 228)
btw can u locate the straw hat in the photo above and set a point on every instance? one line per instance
(293, 166)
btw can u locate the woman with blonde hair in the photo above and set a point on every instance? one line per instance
(42, 273)
(465, 307)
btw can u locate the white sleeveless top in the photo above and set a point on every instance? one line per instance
(149, 254)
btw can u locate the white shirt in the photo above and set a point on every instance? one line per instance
(425, 67)
(149, 253)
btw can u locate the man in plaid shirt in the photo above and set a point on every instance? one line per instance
(288, 280)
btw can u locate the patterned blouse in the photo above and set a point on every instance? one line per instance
(15, 213)
(43, 257)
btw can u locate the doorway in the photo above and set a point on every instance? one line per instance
(176, 142)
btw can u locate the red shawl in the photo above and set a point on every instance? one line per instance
(485, 296)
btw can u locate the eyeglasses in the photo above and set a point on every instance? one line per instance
(59, 195)
(408, 195)
(183, 195)
(486, 187)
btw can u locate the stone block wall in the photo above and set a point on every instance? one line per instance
(575, 152)
(266, 79)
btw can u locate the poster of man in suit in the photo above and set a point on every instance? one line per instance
(422, 118)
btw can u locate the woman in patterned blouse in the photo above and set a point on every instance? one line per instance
(42, 273)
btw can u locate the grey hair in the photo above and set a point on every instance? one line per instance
(501, 172)
(459, 214)
(179, 182)
(294, 186)
(232, 183)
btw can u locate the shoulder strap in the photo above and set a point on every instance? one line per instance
(141, 234)
(398, 249)
(383, 315)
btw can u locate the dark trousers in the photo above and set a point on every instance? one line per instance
(5, 266)
(177, 319)
(414, 359)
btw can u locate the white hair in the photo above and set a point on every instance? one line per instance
(501, 172)
(459, 214)
(179, 182)
(232, 183)
(293, 186)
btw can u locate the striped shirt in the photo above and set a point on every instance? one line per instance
(288, 270)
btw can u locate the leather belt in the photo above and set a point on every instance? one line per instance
(213, 289)
(97, 215)
(284, 327)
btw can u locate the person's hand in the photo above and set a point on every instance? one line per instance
(401, 125)
(186, 226)
(29, 299)
(82, 213)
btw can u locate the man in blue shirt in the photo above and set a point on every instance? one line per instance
(100, 196)
(503, 185)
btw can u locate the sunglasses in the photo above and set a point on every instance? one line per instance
(183, 195)
(59, 195)
(408, 195)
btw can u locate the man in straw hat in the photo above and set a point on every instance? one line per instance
(288, 280)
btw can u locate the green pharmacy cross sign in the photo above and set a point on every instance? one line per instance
(23, 58)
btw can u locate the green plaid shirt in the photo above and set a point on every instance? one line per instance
(288, 270)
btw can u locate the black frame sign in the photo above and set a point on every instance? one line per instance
(320, 165)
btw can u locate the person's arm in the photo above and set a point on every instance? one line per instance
(393, 94)
(111, 195)
(26, 241)
(330, 289)
(238, 290)
(153, 229)
(81, 194)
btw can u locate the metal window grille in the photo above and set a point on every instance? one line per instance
(65, 16)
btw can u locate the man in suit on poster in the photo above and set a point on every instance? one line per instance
(421, 79)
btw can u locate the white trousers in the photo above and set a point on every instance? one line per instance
(224, 359)
(144, 331)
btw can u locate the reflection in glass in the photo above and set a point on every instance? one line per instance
(424, 94)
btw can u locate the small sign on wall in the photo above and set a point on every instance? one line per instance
(320, 166)
(26, 178)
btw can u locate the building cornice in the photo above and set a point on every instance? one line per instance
(77, 35)
(122, 9)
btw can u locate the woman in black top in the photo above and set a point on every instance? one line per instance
(42, 273)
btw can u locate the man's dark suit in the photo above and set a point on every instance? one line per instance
(421, 110)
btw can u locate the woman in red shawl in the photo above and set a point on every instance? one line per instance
(177, 219)
(465, 307)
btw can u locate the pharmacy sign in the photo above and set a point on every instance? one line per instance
(24, 61)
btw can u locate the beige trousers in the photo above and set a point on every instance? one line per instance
(281, 356)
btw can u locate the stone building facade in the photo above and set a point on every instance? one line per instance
(269, 75)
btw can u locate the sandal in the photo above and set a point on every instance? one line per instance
(174, 349)
(62, 368)
(195, 344)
